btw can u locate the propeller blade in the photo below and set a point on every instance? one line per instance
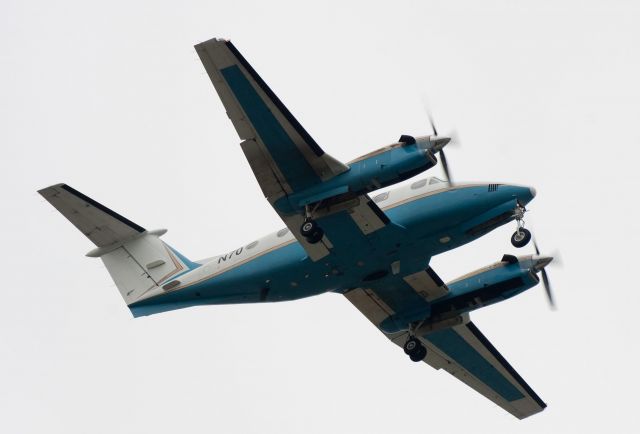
(547, 288)
(557, 258)
(545, 277)
(455, 139)
(535, 245)
(445, 167)
(433, 125)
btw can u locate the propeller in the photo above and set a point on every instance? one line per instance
(440, 146)
(543, 261)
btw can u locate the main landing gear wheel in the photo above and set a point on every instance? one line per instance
(316, 236)
(311, 231)
(419, 354)
(414, 349)
(521, 237)
(308, 228)
(411, 345)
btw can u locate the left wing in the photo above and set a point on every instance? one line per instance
(462, 350)
(283, 156)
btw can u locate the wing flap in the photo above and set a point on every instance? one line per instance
(368, 216)
(428, 284)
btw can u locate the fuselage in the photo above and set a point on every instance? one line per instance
(428, 217)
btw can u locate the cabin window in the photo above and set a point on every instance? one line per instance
(434, 181)
(418, 184)
(252, 245)
(282, 232)
(381, 197)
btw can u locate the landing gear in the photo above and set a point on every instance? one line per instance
(414, 349)
(311, 231)
(521, 236)
(308, 228)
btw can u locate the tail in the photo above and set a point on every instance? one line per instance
(138, 261)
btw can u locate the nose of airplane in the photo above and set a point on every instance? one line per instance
(525, 194)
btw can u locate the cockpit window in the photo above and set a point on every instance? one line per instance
(418, 184)
(381, 197)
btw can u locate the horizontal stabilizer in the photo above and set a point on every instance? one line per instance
(139, 262)
(100, 224)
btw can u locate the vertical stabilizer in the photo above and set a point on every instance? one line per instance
(137, 260)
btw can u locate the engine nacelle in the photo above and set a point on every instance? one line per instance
(386, 166)
(488, 285)
(389, 165)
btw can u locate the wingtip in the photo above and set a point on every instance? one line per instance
(210, 41)
(45, 190)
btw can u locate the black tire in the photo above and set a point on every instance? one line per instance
(520, 238)
(411, 345)
(316, 236)
(419, 354)
(309, 228)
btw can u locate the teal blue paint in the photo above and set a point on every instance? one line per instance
(412, 238)
(292, 164)
(365, 175)
(341, 189)
(454, 346)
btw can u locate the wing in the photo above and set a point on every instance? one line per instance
(283, 156)
(461, 349)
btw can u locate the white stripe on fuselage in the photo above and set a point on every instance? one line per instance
(398, 196)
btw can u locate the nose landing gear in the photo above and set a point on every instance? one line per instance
(414, 349)
(521, 236)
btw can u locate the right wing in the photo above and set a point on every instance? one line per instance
(462, 350)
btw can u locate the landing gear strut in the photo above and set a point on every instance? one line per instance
(414, 349)
(521, 236)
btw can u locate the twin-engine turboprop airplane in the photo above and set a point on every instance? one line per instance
(375, 251)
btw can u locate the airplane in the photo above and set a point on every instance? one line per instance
(375, 251)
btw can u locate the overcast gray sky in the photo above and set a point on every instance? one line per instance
(111, 98)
